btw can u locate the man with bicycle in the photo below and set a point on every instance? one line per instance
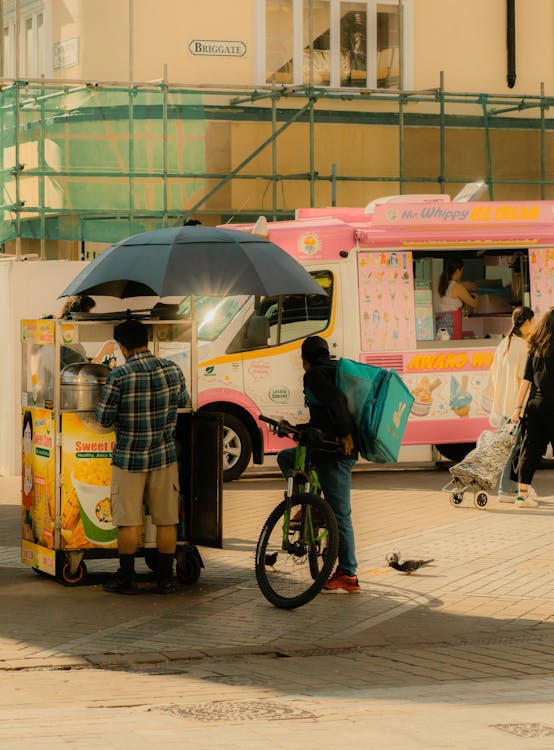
(329, 413)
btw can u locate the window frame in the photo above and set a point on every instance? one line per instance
(237, 344)
(334, 14)
(18, 68)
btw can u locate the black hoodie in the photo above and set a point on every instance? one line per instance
(328, 407)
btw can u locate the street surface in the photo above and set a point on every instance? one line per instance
(459, 655)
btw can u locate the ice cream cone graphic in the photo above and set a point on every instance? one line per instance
(423, 394)
(460, 399)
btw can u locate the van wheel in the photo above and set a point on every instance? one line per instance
(455, 451)
(237, 447)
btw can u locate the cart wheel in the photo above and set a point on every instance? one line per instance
(456, 497)
(480, 499)
(151, 558)
(188, 567)
(67, 578)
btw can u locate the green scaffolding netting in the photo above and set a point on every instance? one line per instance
(97, 164)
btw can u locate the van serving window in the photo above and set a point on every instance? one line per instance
(500, 281)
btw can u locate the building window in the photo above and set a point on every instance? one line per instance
(32, 42)
(278, 40)
(337, 43)
(8, 62)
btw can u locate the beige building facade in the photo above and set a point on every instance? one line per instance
(128, 113)
(247, 42)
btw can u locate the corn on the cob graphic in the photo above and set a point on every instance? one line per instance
(70, 513)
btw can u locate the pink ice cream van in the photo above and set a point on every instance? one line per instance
(380, 267)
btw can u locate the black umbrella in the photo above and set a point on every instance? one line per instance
(193, 260)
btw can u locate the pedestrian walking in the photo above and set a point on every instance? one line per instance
(329, 413)
(141, 399)
(507, 371)
(539, 413)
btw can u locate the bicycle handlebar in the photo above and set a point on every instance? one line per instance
(279, 426)
(317, 436)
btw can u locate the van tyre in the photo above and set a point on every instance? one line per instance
(455, 451)
(237, 447)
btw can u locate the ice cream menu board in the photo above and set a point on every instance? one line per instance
(541, 275)
(386, 294)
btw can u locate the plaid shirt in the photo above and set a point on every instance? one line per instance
(141, 399)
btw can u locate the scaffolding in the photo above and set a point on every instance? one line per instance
(95, 162)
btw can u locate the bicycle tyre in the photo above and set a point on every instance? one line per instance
(286, 578)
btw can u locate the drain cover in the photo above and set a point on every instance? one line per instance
(237, 711)
(527, 730)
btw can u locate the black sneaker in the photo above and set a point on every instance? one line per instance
(118, 584)
(166, 586)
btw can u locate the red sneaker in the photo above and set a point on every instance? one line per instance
(340, 582)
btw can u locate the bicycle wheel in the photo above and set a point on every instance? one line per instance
(290, 565)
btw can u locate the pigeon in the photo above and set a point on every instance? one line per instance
(408, 566)
(271, 559)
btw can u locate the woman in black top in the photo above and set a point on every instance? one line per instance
(539, 413)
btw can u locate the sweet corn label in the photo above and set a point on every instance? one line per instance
(38, 557)
(37, 477)
(37, 332)
(69, 333)
(86, 519)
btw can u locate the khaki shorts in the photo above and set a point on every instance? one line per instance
(159, 488)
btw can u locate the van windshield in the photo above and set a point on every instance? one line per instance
(213, 313)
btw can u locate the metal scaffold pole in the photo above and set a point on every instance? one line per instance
(274, 158)
(488, 158)
(543, 143)
(164, 87)
(401, 143)
(41, 183)
(442, 173)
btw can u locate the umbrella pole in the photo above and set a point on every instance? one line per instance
(193, 355)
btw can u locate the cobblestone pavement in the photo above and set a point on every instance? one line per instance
(459, 655)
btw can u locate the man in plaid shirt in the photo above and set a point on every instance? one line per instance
(140, 399)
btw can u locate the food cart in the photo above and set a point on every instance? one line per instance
(66, 454)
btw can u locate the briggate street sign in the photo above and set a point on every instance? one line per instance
(217, 48)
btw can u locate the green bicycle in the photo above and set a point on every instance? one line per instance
(298, 544)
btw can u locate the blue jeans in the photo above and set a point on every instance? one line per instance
(335, 478)
(507, 486)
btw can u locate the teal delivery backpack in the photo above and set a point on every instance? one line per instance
(380, 404)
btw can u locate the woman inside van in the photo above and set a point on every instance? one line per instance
(453, 295)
